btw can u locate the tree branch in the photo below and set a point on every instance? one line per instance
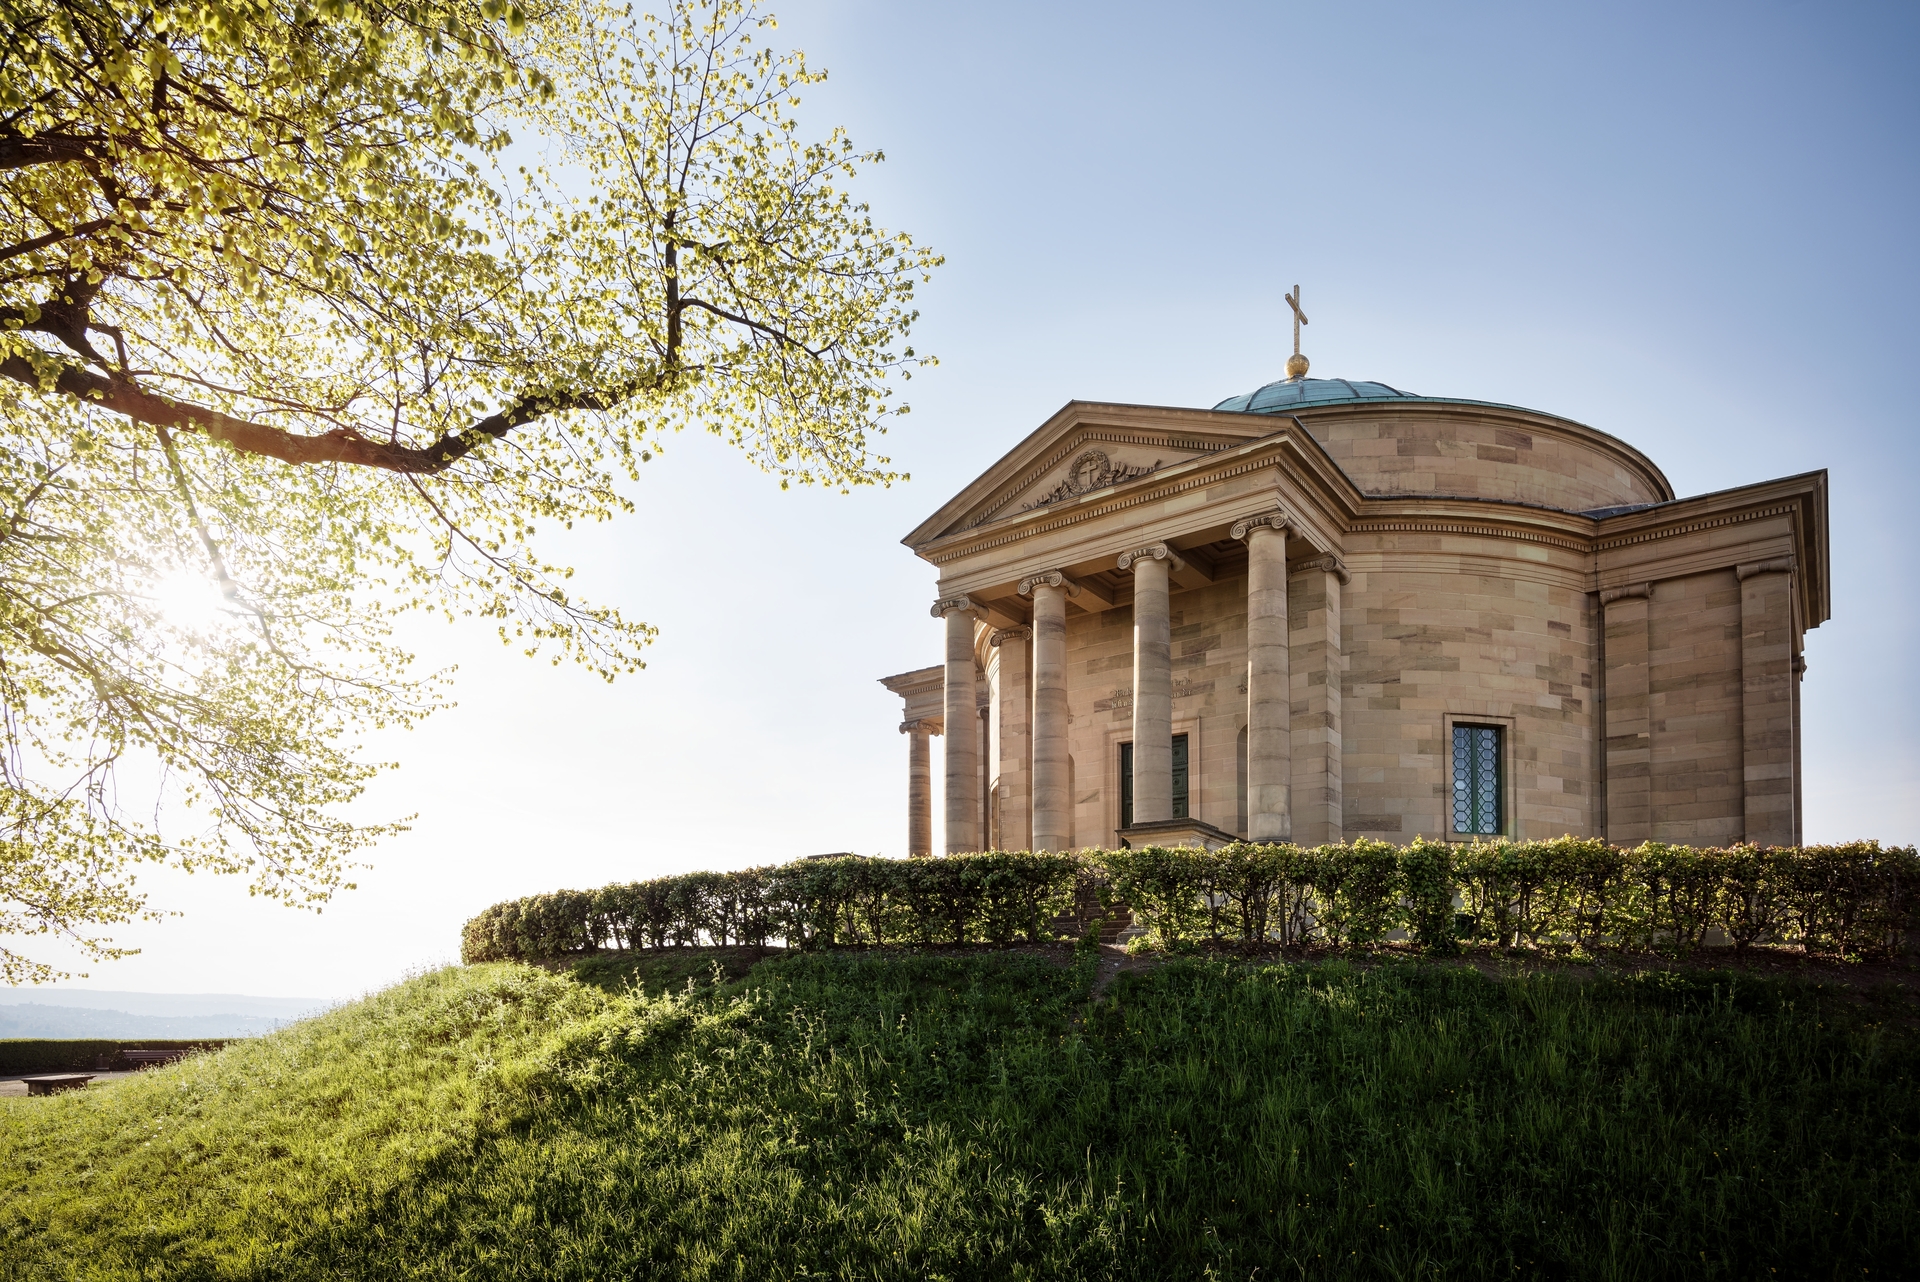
(342, 445)
(44, 149)
(754, 325)
(54, 237)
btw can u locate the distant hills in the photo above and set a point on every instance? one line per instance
(99, 1013)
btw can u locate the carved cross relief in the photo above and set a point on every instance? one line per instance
(1092, 470)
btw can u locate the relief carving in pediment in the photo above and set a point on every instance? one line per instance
(1091, 470)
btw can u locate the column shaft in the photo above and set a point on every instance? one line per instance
(962, 734)
(1629, 723)
(1013, 801)
(1767, 682)
(919, 791)
(1152, 693)
(1313, 658)
(1052, 789)
(1269, 698)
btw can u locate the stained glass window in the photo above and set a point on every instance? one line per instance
(1476, 779)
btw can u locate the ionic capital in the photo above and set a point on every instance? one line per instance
(1050, 579)
(1609, 595)
(1010, 634)
(1330, 563)
(922, 726)
(1153, 551)
(1779, 565)
(1279, 522)
(965, 604)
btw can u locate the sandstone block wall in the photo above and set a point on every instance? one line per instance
(1466, 453)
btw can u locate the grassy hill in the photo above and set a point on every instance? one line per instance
(900, 1116)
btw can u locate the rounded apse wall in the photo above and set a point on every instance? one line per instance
(1484, 452)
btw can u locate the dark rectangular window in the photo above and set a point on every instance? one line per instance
(1179, 780)
(1477, 785)
(1179, 776)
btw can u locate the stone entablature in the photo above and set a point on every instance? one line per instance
(1315, 636)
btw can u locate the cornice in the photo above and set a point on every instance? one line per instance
(1077, 440)
(1511, 529)
(1698, 523)
(1208, 470)
(1076, 422)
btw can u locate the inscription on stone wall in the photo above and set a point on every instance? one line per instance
(1122, 697)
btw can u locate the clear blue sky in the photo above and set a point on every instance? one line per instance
(1690, 226)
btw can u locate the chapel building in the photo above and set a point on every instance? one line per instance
(1332, 609)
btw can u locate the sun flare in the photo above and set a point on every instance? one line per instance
(191, 602)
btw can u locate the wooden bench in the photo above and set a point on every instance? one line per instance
(152, 1059)
(48, 1083)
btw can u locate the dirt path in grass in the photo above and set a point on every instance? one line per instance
(1114, 959)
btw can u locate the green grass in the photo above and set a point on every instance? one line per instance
(888, 1116)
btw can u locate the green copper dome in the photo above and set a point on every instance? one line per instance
(1291, 394)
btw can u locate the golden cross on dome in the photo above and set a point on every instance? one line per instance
(1296, 364)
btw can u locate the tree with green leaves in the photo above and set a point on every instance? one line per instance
(312, 314)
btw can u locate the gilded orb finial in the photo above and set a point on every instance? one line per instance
(1296, 364)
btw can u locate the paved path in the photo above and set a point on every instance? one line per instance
(16, 1083)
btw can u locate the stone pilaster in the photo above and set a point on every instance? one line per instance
(1269, 696)
(1013, 798)
(963, 799)
(919, 787)
(1799, 805)
(1313, 660)
(1629, 715)
(1052, 790)
(1768, 684)
(1152, 681)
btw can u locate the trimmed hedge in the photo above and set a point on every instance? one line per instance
(78, 1054)
(996, 897)
(1852, 900)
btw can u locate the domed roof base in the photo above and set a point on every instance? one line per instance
(1290, 394)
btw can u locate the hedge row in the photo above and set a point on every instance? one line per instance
(1851, 900)
(79, 1054)
(996, 897)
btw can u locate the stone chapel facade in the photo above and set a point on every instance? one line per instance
(1332, 609)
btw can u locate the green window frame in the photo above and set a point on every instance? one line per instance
(1180, 777)
(1478, 775)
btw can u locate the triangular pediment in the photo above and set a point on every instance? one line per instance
(1088, 449)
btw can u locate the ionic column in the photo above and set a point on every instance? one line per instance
(962, 726)
(1014, 801)
(1052, 791)
(1269, 697)
(1313, 660)
(1152, 682)
(1628, 730)
(1767, 689)
(919, 787)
